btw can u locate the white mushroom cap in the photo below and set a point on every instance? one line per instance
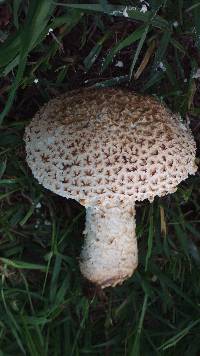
(102, 146)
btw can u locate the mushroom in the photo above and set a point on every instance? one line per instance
(107, 149)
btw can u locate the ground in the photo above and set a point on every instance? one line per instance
(46, 307)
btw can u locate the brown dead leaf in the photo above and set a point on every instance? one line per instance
(163, 222)
(145, 60)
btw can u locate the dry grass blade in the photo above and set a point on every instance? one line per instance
(145, 60)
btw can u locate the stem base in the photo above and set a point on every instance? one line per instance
(109, 255)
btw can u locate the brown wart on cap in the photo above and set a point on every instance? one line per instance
(107, 149)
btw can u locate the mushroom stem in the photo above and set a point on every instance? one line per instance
(109, 254)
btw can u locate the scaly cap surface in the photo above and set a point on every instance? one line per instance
(102, 146)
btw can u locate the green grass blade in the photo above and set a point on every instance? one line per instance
(196, 14)
(163, 45)
(135, 350)
(95, 51)
(13, 324)
(150, 238)
(55, 275)
(133, 37)
(22, 265)
(111, 82)
(10, 49)
(138, 50)
(179, 336)
(124, 11)
(37, 18)
(16, 6)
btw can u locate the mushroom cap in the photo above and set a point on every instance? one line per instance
(102, 146)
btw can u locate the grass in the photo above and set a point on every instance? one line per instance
(46, 307)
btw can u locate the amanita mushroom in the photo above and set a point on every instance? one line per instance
(107, 149)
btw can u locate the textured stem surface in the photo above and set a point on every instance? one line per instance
(109, 254)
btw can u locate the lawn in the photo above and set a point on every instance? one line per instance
(46, 306)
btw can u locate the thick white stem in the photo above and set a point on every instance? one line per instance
(109, 254)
